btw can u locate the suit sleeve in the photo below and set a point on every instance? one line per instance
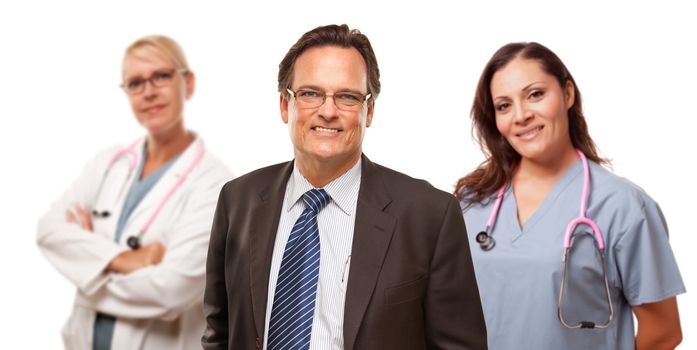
(453, 311)
(215, 306)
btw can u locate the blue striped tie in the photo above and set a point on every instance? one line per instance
(294, 300)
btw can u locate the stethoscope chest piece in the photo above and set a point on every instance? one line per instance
(133, 242)
(485, 241)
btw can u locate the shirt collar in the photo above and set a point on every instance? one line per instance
(343, 190)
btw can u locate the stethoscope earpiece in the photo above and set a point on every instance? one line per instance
(101, 214)
(485, 241)
(133, 242)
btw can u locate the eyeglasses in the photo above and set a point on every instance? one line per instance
(158, 79)
(345, 101)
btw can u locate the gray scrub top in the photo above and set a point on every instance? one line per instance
(519, 279)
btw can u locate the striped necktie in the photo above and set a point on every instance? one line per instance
(290, 326)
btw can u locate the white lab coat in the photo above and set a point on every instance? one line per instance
(157, 307)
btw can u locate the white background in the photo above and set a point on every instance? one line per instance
(60, 103)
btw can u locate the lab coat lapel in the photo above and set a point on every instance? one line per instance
(264, 226)
(371, 239)
(144, 210)
(118, 178)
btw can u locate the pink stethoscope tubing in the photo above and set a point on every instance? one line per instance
(581, 219)
(131, 153)
(486, 242)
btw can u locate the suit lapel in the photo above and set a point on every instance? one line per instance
(371, 239)
(263, 229)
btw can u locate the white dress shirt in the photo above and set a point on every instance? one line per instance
(336, 222)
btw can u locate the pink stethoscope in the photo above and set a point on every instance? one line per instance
(486, 243)
(130, 152)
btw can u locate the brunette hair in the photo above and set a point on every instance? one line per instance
(331, 35)
(501, 158)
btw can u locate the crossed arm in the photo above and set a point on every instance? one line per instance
(127, 261)
(150, 282)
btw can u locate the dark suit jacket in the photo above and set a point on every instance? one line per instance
(411, 284)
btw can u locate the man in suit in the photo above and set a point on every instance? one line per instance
(333, 251)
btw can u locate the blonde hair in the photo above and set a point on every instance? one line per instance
(164, 45)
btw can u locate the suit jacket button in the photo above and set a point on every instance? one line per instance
(258, 341)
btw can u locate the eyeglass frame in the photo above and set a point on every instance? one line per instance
(364, 98)
(151, 80)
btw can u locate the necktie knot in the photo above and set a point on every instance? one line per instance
(316, 199)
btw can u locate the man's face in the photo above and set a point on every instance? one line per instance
(325, 134)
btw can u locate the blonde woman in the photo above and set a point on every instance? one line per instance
(131, 232)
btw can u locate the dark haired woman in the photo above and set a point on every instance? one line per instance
(543, 189)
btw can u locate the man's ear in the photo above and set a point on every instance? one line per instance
(369, 115)
(283, 101)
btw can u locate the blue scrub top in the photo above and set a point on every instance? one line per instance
(519, 279)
